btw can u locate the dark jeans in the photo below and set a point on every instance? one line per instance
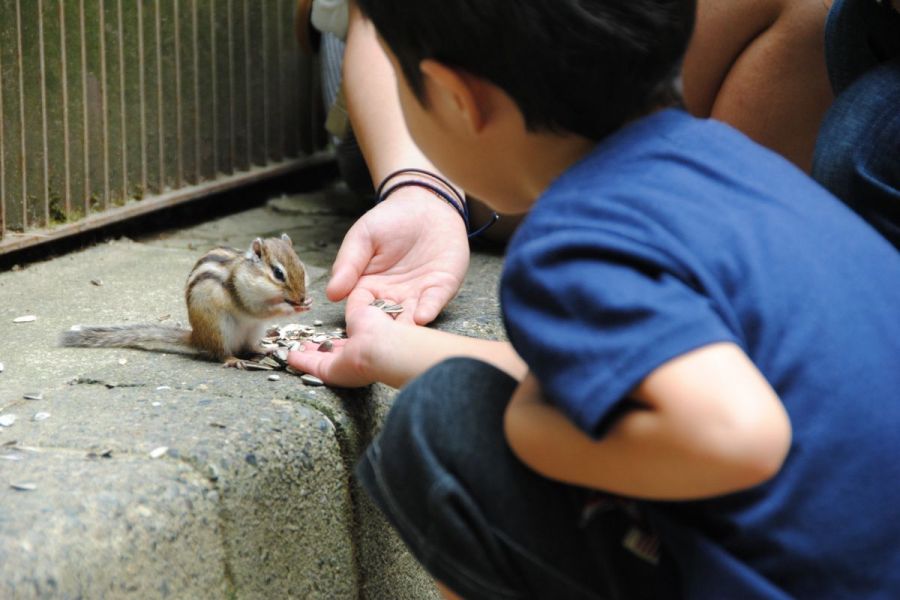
(481, 522)
(858, 149)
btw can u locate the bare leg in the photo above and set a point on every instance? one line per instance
(759, 65)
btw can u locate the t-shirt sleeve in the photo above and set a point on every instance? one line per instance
(594, 313)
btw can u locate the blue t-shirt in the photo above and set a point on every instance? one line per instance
(675, 233)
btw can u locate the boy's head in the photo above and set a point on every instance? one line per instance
(571, 66)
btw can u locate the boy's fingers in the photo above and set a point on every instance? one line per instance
(430, 304)
(353, 257)
(310, 361)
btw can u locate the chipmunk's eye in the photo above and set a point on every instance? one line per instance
(278, 272)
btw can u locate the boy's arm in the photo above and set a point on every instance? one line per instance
(392, 352)
(704, 424)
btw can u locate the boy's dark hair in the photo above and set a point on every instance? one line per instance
(580, 66)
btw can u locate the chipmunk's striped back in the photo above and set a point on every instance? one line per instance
(216, 266)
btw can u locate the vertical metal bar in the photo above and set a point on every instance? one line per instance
(215, 87)
(104, 107)
(86, 156)
(265, 76)
(279, 34)
(124, 130)
(197, 116)
(67, 176)
(248, 65)
(142, 100)
(159, 100)
(22, 114)
(43, 86)
(179, 143)
(2, 162)
(231, 85)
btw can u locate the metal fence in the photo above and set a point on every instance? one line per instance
(112, 108)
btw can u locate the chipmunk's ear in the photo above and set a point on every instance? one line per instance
(256, 249)
(287, 239)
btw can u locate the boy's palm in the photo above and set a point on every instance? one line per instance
(411, 249)
(348, 363)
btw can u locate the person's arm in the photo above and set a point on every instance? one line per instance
(393, 352)
(759, 65)
(704, 424)
(412, 247)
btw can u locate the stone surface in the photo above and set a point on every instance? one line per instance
(254, 496)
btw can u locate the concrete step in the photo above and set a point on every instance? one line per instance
(253, 496)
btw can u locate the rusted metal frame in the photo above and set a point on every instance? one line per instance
(19, 241)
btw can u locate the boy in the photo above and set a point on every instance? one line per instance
(708, 405)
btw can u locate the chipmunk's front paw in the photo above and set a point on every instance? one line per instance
(233, 362)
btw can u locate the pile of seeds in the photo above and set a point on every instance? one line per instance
(281, 339)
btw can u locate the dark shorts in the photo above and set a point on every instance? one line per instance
(481, 522)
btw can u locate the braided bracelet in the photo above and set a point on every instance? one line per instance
(457, 201)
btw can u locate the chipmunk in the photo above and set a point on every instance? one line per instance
(229, 294)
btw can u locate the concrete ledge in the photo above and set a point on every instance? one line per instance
(253, 497)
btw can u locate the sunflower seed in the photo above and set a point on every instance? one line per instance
(392, 309)
(97, 282)
(106, 453)
(7, 420)
(326, 346)
(378, 303)
(318, 339)
(270, 362)
(1, 367)
(23, 487)
(317, 323)
(25, 319)
(123, 361)
(157, 452)
(33, 396)
(11, 457)
(274, 377)
(255, 366)
(40, 416)
(281, 355)
(311, 380)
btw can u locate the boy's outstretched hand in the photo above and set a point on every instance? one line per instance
(351, 362)
(410, 248)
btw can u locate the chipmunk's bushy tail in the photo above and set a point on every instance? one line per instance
(126, 336)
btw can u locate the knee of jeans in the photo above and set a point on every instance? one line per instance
(437, 415)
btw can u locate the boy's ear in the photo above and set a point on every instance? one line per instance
(458, 90)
